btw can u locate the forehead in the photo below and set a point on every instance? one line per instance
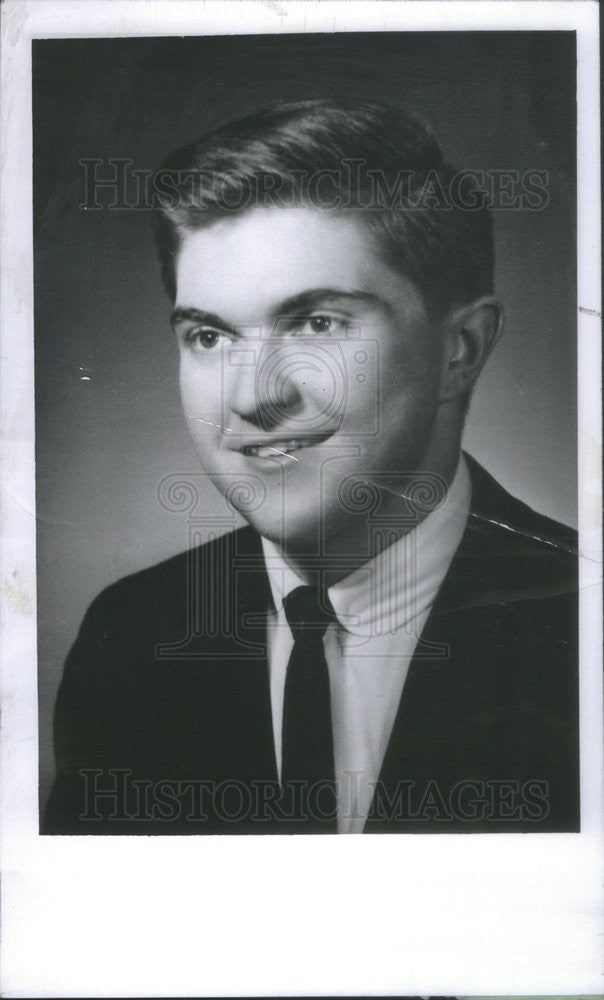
(263, 256)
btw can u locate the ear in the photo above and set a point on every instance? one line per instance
(471, 332)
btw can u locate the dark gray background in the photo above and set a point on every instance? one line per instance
(109, 426)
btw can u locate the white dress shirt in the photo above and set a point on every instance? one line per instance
(381, 609)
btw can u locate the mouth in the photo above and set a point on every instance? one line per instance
(282, 446)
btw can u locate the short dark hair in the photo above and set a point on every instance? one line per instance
(428, 218)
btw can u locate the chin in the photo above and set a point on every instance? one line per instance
(296, 534)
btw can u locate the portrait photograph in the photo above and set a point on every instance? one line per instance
(348, 596)
(303, 542)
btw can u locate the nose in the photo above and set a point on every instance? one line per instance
(262, 389)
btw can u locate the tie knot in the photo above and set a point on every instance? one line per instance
(308, 613)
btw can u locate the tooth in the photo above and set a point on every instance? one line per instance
(284, 447)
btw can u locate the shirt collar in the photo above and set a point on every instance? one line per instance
(392, 588)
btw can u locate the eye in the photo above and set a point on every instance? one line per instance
(320, 324)
(204, 336)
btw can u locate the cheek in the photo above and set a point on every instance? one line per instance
(411, 365)
(405, 390)
(201, 409)
(198, 388)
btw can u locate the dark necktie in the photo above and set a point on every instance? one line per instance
(307, 772)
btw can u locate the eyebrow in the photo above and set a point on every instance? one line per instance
(198, 316)
(298, 304)
(313, 297)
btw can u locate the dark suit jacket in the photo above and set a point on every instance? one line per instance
(165, 707)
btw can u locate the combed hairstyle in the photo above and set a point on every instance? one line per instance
(345, 157)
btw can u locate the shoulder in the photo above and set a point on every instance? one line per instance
(161, 590)
(509, 552)
(492, 503)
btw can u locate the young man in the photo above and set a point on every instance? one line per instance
(391, 644)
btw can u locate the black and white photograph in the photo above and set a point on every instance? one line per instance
(371, 628)
(309, 414)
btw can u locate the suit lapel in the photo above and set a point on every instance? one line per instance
(234, 574)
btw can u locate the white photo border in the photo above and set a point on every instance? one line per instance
(221, 916)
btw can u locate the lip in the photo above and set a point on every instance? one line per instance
(276, 448)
